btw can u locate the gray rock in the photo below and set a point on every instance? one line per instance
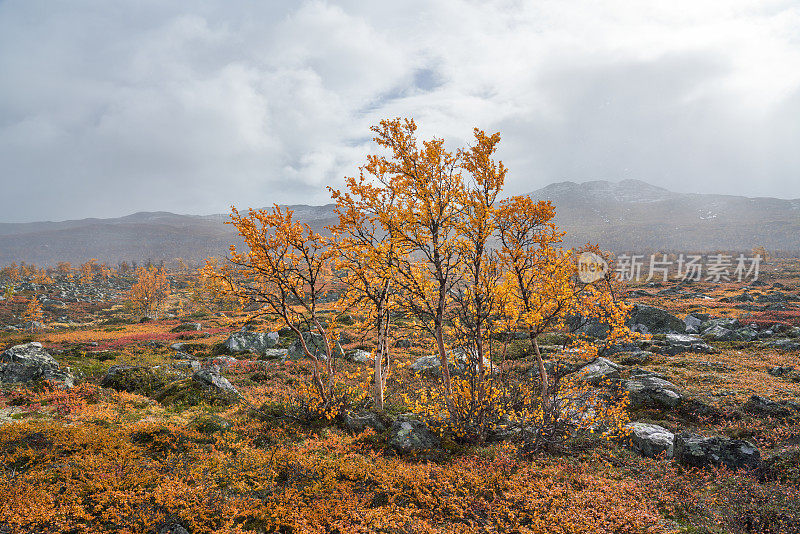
(255, 342)
(656, 320)
(599, 370)
(619, 347)
(179, 355)
(638, 357)
(728, 323)
(697, 451)
(758, 405)
(780, 371)
(24, 363)
(194, 365)
(359, 356)
(177, 346)
(651, 441)
(409, 435)
(588, 326)
(692, 324)
(784, 344)
(652, 391)
(188, 327)
(359, 422)
(113, 371)
(275, 354)
(680, 343)
(430, 365)
(719, 333)
(174, 528)
(211, 379)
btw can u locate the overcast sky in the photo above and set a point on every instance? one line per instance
(108, 108)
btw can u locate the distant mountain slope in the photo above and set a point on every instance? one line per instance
(632, 215)
(629, 216)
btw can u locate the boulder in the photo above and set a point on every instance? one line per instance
(255, 342)
(588, 326)
(430, 365)
(730, 323)
(28, 362)
(656, 320)
(192, 365)
(359, 356)
(651, 441)
(784, 344)
(692, 324)
(616, 348)
(679, 343)
(359, 422)
(274, 354)
(762, 406)
(719, 333)
(173, 528)
(694, 450)
(188, 327)
(780, 371)
(638, 357)
(409, 435)
(746, 334)
(652, 391)
(212, 380)
(599, 370)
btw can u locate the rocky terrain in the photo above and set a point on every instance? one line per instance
(189, 422)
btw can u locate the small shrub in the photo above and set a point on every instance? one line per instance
(140, 380)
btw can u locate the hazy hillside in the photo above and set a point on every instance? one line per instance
(627, 216)
(632, 215)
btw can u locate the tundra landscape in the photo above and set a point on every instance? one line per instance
(434, 361)
(418, 267)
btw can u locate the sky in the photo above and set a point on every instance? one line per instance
(109, 108)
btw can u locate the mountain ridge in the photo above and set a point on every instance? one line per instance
(625, 216)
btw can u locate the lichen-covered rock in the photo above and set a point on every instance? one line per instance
(679, 343)
(652, 391)
(719, 333)
(255, 342)
(697, 451)
(274, 354)
(459, 365)
(758, 405)
(409, 435)
(599, 370)
(211, 379)
(359, 422)
(656, 320)
(651, 441)
(188, 327)
(359, 356)
(28, 362)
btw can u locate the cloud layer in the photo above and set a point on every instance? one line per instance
(107, 109)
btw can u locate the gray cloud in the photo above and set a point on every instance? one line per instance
(190, 107)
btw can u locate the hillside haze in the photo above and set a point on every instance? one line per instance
(630, 215)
